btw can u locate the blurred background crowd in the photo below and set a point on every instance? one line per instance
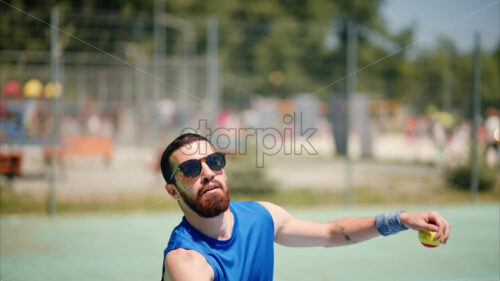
(118, 80)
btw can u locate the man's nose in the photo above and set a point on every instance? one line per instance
(206, 173)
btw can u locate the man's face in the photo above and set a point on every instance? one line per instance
(206, 194)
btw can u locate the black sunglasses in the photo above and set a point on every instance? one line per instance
(192, 168)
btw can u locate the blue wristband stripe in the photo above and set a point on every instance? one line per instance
(389, 223)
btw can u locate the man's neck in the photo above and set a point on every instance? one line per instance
(219, 227)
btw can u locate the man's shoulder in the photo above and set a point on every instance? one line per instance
(180, 230)
(182, 236)
(244, 204)
(251, 207)
(252, 211)
(181, 255)
(187, 265)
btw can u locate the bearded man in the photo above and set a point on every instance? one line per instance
(220, 239)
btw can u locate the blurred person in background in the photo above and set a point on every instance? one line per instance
(492, 127)
(220, 239)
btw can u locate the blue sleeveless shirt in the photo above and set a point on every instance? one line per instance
(247, 255)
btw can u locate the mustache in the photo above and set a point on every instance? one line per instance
(209, 185)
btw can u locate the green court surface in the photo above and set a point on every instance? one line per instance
(130, 246)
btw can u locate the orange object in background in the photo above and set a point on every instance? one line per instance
(82, 146)
(10, 164)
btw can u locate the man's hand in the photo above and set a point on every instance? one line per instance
(431, 221)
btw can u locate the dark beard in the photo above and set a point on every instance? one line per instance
(207, 206)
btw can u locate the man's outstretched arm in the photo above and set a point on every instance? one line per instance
(294, 232)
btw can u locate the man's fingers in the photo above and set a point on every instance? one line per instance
(431, 223)
(446, 232)
(432, 227)
(444, 229)
(441, 227)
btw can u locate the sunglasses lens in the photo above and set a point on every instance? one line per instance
(216, 161)
(191, 168)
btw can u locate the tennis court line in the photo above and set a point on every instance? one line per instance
(104, 52)
(67, 247)
(72, 245)
(467, 264)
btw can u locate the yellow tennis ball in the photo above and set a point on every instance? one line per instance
(427, 238)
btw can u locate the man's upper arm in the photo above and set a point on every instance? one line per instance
(290, 231)
(280, 216)
(185, 265)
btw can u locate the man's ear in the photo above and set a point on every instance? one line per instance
(172, 191)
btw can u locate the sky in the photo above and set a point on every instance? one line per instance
(455, 19)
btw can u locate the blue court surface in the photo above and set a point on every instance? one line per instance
(129, 247)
